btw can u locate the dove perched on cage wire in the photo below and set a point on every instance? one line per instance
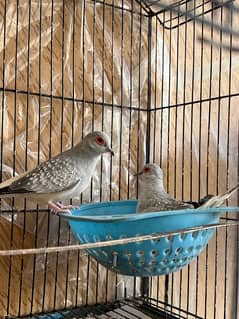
(153, 197)
(62, 177)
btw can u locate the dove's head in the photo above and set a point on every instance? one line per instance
(98, 142)
(151, 173)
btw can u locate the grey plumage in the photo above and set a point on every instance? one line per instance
(152, 196)
(62, 177)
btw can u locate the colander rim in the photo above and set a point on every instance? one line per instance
(137, 216)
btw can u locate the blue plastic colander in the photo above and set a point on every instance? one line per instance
(115, 220)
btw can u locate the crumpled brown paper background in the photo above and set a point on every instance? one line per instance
(82, 66)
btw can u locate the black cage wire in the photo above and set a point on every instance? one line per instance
(162, 80)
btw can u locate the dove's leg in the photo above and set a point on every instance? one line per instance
(56, 209)
(60, 205)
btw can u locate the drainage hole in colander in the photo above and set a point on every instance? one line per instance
(182, 236)
(128, 254)
(195, 234)
(94, 252)
(170, 238)
(190, 249)
(80, 238)
(154, 253)
(86, 238)
(177, 260)
(155, 240)
(149, 269)
(108, 237)
(96, 238)
(167, 252)
(140, 253)
(164, 261)
(178, 250)
(104, 253)
(203, 233)
(172, 267)
(142, 262)
(199, 247)
(153, 262)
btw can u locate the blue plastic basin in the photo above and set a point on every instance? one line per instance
(115, 220)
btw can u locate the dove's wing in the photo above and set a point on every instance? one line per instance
(55, 175)
(162, 204)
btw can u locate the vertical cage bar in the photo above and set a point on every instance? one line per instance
(183, 136)
(175, 137)
(14, 154)
(102, 126)
(237, 237)
(26, 151)
(61, 145)
(102, 89)
(112, 113)
(200, 140)
(38, 149)
(73, 131)
(3, 110)
(155, 85)
(191, 137)
(93, 86)
(217, 161)
(121, 93)
(162, 90)
(148, 125)
(228, 158)
(130, 93)
(2, 123)
(166, 292)
(145, 280)
(3, 82)
(139, 86)
(112, 93)
(50, 151)
(208, 153)
(63, 91)
(87, 279)
(93, 127)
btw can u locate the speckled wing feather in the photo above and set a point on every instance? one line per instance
(162, 204)
(55, 175)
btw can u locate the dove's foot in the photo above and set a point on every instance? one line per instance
(60, 205)
(59, 208)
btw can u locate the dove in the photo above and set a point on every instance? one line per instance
(153, 198)
(62, 177)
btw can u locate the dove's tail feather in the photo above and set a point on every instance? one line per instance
(218, 200)
(8, 192)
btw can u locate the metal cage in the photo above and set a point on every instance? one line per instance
(162, 80)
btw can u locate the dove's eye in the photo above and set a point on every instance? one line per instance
(146, 170)
(100, 140)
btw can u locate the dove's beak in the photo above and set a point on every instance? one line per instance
(111, 151)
